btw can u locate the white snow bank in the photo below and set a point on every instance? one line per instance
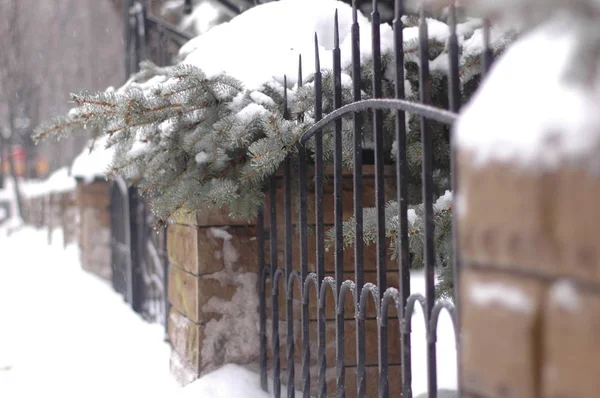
(8, 192)
(526, 111)
(230, 381)
(445, 346)
(565, 294)
(8, 195)
(66, 333)
(58, 182)
(511, 297)
(89, 166)
(265, 42)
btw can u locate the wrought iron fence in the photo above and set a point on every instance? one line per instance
(150, 38)
(312, 288)
(139, 259)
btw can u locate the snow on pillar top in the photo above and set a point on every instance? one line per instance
(89, 166)
(527, 111)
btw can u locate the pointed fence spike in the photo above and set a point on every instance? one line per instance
(285, 98)
(300, 70)
(399, 9)
(336, 31)
(317, 60)
(487, 53)
(187, 7)
(454, 79)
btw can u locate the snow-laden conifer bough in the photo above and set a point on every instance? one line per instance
(209, 132)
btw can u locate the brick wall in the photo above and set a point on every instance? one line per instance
(370, 274)
(530, 301)
(196, 254)
(53, 210)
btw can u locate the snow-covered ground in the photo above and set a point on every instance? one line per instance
(446, 348)
(65, 333)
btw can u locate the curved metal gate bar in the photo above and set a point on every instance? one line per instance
(430, 112)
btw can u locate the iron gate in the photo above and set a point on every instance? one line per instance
(138, 251)
(146, 39)
(315, 286)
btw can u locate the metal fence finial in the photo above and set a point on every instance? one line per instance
(187, 7)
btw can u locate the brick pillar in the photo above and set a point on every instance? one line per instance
(212, 289)
(530, 285)
(93, 201)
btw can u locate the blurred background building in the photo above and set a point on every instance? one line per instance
(50, 49)
(53, 48)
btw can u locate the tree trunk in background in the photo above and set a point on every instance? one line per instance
(13, 173)
(15, 178)
(2, 146)
(11, 164)
(81, 48)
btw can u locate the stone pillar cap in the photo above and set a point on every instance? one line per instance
(534, 109)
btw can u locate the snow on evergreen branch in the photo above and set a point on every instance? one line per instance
(193, 140)
(442, 216)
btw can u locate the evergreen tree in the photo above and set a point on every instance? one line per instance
(190, 141)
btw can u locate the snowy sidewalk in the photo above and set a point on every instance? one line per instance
(65, 333)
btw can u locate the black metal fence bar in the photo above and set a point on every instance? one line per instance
(162, 46)
(379, 198)
(487, 53)
(357, 185)
(338, 213)
(274, 288)
(303, 209)
(427, 178)
(454, 104)
(172, 31)
(402, 198)
(287, 204)
(320, 227)
(133, 276)
(262, 275)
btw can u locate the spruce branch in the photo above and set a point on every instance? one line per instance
(197, 142)
(442, 217)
